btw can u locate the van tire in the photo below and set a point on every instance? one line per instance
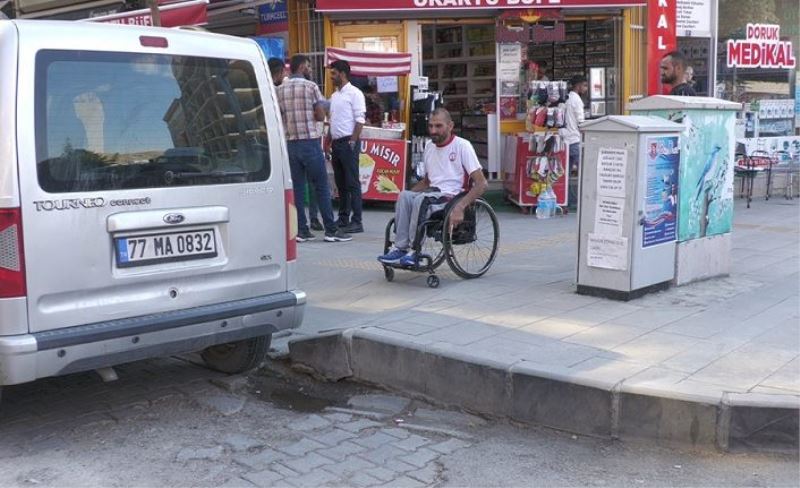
(237, 357)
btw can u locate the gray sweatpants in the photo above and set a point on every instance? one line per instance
(406, 215)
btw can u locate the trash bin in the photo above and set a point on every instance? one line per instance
(705, 209)
(629, 180)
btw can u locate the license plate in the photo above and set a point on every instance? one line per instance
(150, 249)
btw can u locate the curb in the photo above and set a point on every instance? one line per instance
(532, 393)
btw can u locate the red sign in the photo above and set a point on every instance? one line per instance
(386, 5)
(382, 169)
(763, 48)
(661, 40)
(172, 15)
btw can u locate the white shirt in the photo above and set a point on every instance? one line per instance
(445, 166)
(348, 107)
(572, 117)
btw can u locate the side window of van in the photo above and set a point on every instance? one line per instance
(108, 121)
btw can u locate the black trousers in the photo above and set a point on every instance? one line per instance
(345, 172)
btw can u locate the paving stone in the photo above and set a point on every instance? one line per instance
(312, 422)
(224, 404)
(375, 440)
(342, 451)
(428, 475)
(363, 479)
(382, 403)
(420, 458)
(351, 465)
(447, 417)
(259, 460)
(283, 470)
(301, 447)
(412, 442)
(338, 417)
(379, 416)
(396, 432)
(381, 473)
(398, 466)
(334, 437)
(449, 446)
(265, 478)
(199, 454)
(315, 478)
(236, 483)
(382, 454)
(307, 463)
(358, 425)
(240, 442)
(405, 482)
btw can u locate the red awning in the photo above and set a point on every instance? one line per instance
(445, 5)
(367, 63)
(172, 15)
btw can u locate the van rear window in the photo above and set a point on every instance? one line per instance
(108, 121)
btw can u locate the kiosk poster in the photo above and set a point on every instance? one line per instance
(381, 168)
(661, 191)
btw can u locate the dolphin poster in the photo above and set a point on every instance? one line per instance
(661, 194)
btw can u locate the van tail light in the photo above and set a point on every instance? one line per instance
(291, 225)
(12, 259)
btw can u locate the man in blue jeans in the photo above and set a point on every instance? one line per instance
(302, 106)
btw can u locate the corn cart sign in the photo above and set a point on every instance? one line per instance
(763, 48)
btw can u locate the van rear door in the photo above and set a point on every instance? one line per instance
(151, 172)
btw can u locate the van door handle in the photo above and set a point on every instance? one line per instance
(167, 217)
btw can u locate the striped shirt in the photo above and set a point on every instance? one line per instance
(297, 97)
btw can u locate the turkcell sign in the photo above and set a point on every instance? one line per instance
(763, 48)
(273, 14)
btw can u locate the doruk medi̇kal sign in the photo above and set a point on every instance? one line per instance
(763, 48)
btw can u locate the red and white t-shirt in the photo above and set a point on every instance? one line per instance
(445, 165)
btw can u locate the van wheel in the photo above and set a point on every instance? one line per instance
(237, 357)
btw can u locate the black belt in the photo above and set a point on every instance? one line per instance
(345, 138)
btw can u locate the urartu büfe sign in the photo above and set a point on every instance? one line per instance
(394, 5)
(763, 48)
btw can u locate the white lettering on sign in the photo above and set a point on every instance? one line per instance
(763, 48)
(383, 152)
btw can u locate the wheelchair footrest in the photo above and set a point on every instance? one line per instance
(423, 264)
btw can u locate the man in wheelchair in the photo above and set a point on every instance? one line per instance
(447, 158)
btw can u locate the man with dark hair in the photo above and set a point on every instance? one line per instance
(302, 106)
(673, 70)
(573, 116)
(277, 69)
(347, 117)
(447, 159)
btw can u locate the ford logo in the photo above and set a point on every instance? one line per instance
(174, 218)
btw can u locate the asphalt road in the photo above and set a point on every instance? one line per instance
(169, 422)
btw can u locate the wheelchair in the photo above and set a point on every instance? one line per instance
(469, 248)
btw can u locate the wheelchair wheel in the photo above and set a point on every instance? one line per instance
(387, 241)
(471, 247)
(388, 273)
(433, 244)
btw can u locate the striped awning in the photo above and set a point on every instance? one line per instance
(367, 63)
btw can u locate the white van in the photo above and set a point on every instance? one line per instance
(145, 199)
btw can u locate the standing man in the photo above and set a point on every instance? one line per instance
(301, 105)
(573, 116)
(673, 71)
(348, 109)
(447, 159)
(277, 69)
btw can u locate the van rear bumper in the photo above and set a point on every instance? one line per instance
(27, 357)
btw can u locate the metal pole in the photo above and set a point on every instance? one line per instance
(155, 14)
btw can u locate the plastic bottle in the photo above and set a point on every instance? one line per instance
(545, 207)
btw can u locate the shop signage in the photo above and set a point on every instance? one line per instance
(557, 33)
(693, 18)
(763, 48)
(372, 5)
(381, 168)
(172, 15)
(660, 39)
(273, 17)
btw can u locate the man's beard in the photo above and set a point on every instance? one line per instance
(439, 138)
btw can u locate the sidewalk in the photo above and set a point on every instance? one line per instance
(711, 363)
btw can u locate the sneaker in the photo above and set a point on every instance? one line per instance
(393, 256)
(354, 228)
(409, 259)
(338, 236)
(316, 225)
(305, 236)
